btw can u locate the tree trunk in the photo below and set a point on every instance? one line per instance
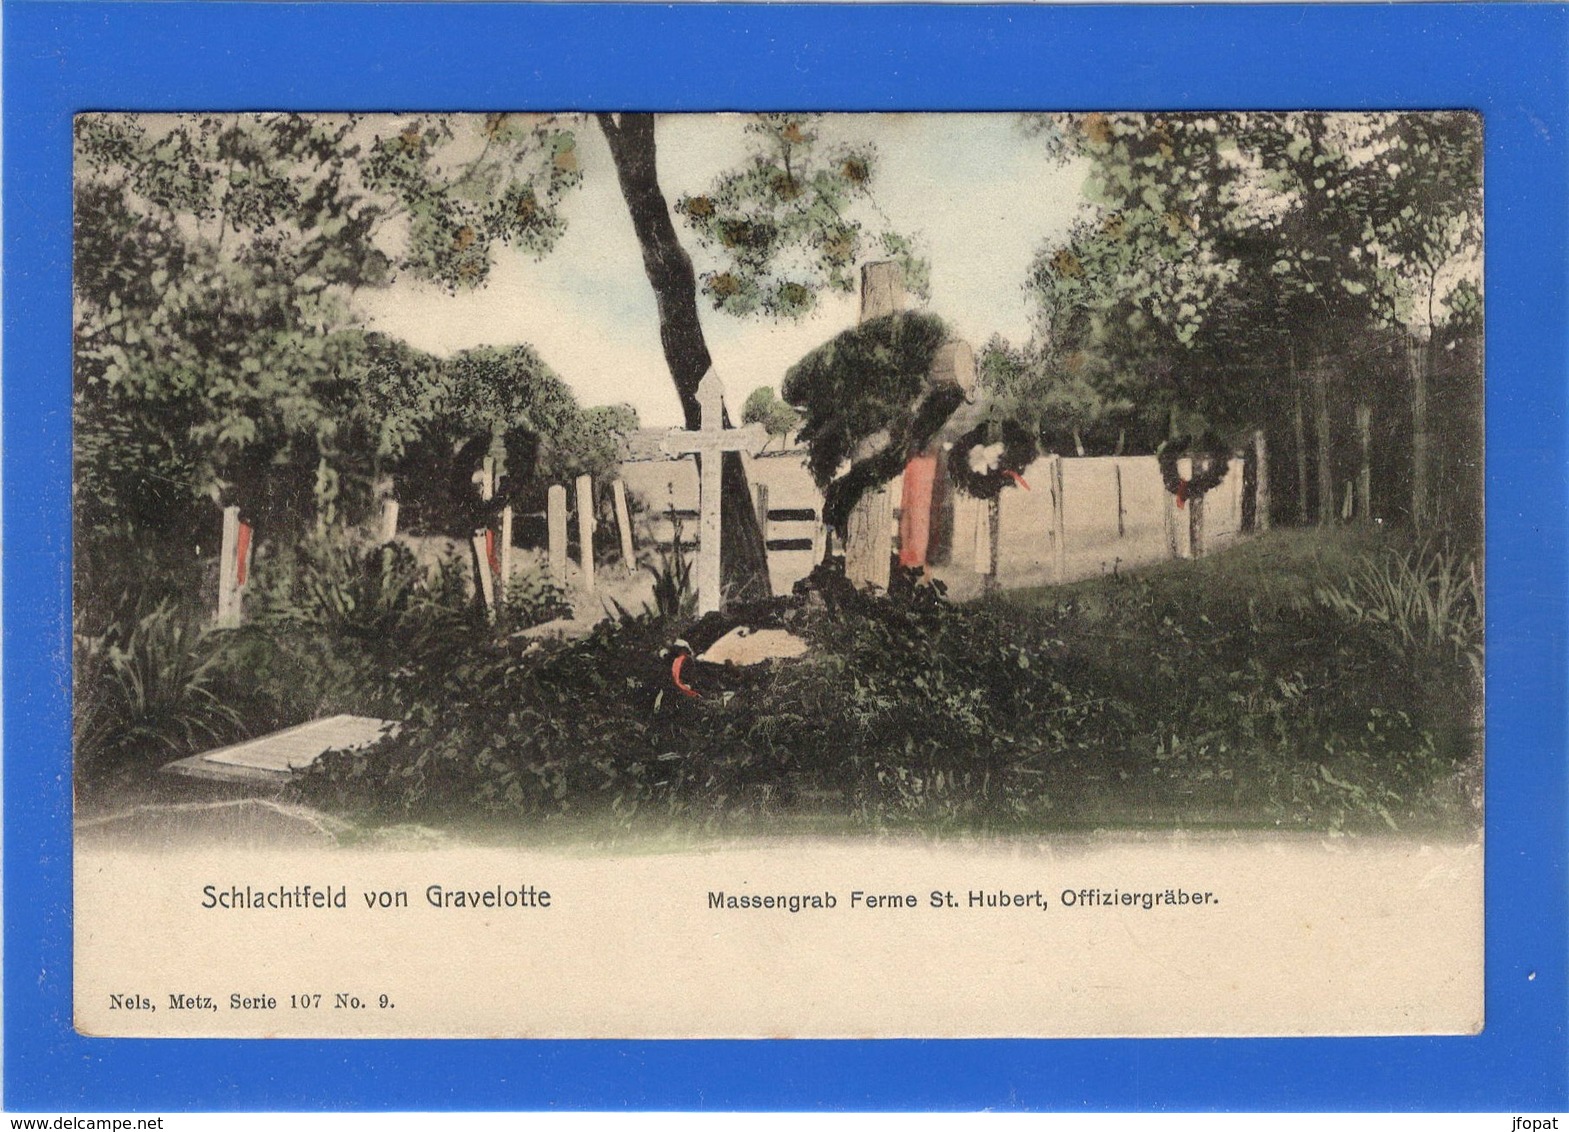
(1299, 432)
(1326, 465)
(1417, 362)
(743, 560)
(1364, 509)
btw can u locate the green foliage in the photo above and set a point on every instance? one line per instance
(432, 421)
(215, 257)
(146, 689)
(1217, 243)
(1222, 694)
(762, 407)
(593, 727)
(1069, 404)
(783, 224)
(867, 383)
(675, 596)
(1425, 603)
(465, 184)
(590, 443)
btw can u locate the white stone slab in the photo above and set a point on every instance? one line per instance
(281, 752)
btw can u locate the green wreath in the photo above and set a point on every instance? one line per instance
(1216, 460)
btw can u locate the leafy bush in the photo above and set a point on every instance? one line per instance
(904, 708)
(675, 597)
(146, 689)
(339, 585)
(1426, 603)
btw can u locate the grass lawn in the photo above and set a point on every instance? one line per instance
(1252, 703)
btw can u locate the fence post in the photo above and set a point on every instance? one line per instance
(981, 543)
(484, 581)
(1300, 430)
(1234, 477)
(993, 538)
(505, 552)
(1326, 463)
(1122, 512)
(556, 530)
(1059, 524)
(624, 525)
(228, 581)
(585, 529)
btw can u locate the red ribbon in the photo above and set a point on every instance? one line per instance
(490, 552)
(1182, 493)
(242, 552)
(675, 674)
(1016, 478)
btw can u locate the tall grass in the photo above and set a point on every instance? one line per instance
(675, 597)
(1426, 602)
(148, 688)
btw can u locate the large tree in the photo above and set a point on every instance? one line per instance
(215, 260)
(783, 230)
(1223, 252)
(217, 257)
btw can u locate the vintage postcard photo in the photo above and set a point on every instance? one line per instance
(778, 575)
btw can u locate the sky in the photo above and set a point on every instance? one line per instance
(981, 195)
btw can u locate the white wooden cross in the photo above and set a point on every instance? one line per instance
(709, 443)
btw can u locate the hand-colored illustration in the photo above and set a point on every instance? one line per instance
(542, 475)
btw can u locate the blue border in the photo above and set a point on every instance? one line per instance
(1511, 62)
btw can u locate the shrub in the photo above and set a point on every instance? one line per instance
(904, 708)
(1426, 604)
(1192, 695)
(675, 597)
(146, 688)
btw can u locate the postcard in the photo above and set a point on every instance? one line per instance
(637, 575)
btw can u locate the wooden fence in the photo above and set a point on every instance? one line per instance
(1080, 517)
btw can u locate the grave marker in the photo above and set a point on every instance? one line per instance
(624, 525)
(1179, 533)
(993, 540)
(484, 580)
(868, 544)
(505, 558)
(709, 444)
(234, 558)
(585, 530)
(389, 520)
(273, 758)
(556, 527)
